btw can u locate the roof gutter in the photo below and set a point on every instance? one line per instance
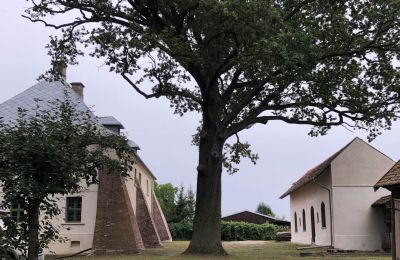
(330, 207)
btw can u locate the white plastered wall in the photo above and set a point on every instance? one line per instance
(146, 182)
(76, 232)
(311, 195)
(82, 232)
(358, 226)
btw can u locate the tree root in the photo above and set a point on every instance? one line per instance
(217, 250)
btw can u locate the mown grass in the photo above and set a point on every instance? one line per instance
(268, 250)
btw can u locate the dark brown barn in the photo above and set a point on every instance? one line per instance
(256, 218)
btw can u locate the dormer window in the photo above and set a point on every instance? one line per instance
(111, 123)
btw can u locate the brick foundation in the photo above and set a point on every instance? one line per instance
(159, 220)
(116, 228)
(145, 221)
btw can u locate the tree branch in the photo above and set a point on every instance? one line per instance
(235, 128)
(296, 9)
(232, 86)
(138, 90)
(74, 23)
(162, 91)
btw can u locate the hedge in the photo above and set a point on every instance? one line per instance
(181, 230)
(230, 231)
(236, 231)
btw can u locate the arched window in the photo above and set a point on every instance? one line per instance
(304, 220)
(323, 218)
(295, 222)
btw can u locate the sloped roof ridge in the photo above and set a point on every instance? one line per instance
(44, 92)
(110, 120)
(382, 201)
(256, 213)
(392, 177)
(145, 166)
(316, 171)
(379, 151)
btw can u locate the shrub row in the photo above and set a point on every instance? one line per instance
(236, 231)
(181, 230)
(230, 231)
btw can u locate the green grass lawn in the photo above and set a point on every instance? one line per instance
(267, 250)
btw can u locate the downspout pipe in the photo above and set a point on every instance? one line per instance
(330, 207)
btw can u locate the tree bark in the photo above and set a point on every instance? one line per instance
(206, 238)
(33, 230)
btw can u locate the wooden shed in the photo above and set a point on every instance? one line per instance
(391, 181)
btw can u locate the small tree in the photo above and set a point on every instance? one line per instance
(265, 209)
(57, 151)
(166, 196)
(177, 205)
(180, 206)
(306, 62)
(190, 204)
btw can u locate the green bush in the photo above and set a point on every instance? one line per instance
(181, 230)
(230, 231)
(237, 231)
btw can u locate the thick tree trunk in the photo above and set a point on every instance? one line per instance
(33, 230)
(206, 237)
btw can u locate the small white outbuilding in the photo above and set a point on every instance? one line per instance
(331, 204)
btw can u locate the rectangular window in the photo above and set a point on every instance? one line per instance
(74, 209)
(140, 178)
(16, 212)
(147, 187)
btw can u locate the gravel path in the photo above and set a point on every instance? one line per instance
(243, 244)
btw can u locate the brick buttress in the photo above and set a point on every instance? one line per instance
(116, 228)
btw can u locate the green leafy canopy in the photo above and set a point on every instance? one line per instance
(265, 209)
(240, 63)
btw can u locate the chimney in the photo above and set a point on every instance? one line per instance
(78, 88)
(60, 68)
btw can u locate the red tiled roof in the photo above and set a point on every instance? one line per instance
(314, 172)
(392, 177)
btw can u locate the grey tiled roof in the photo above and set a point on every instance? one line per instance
(133, 145)
(41, 94)
(110, 120)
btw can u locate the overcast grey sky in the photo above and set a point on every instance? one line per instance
(286, 151)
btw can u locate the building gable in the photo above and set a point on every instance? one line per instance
(355, 153)
(360, 164)
(313, 173)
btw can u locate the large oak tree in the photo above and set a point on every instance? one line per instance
(239, 63)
